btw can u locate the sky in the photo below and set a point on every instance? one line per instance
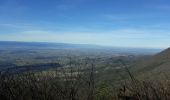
(122, 23)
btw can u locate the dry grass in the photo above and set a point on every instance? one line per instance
(135, 89)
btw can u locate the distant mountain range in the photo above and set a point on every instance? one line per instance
(41, 45)
(87, 47)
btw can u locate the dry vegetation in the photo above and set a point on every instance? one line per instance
(145, 90)
(75, 83)
(33, 86)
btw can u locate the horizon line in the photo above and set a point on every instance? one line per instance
(83, 44)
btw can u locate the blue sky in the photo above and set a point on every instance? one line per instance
(123, 23)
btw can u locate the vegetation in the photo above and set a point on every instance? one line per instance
(145, 90)
(78, 83)
(72, 83)
(31, 86)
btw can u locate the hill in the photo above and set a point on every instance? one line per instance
(154, 66)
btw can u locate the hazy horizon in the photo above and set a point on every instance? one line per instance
(115, 23)
(81, 44)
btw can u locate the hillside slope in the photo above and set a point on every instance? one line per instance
(154, 66)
